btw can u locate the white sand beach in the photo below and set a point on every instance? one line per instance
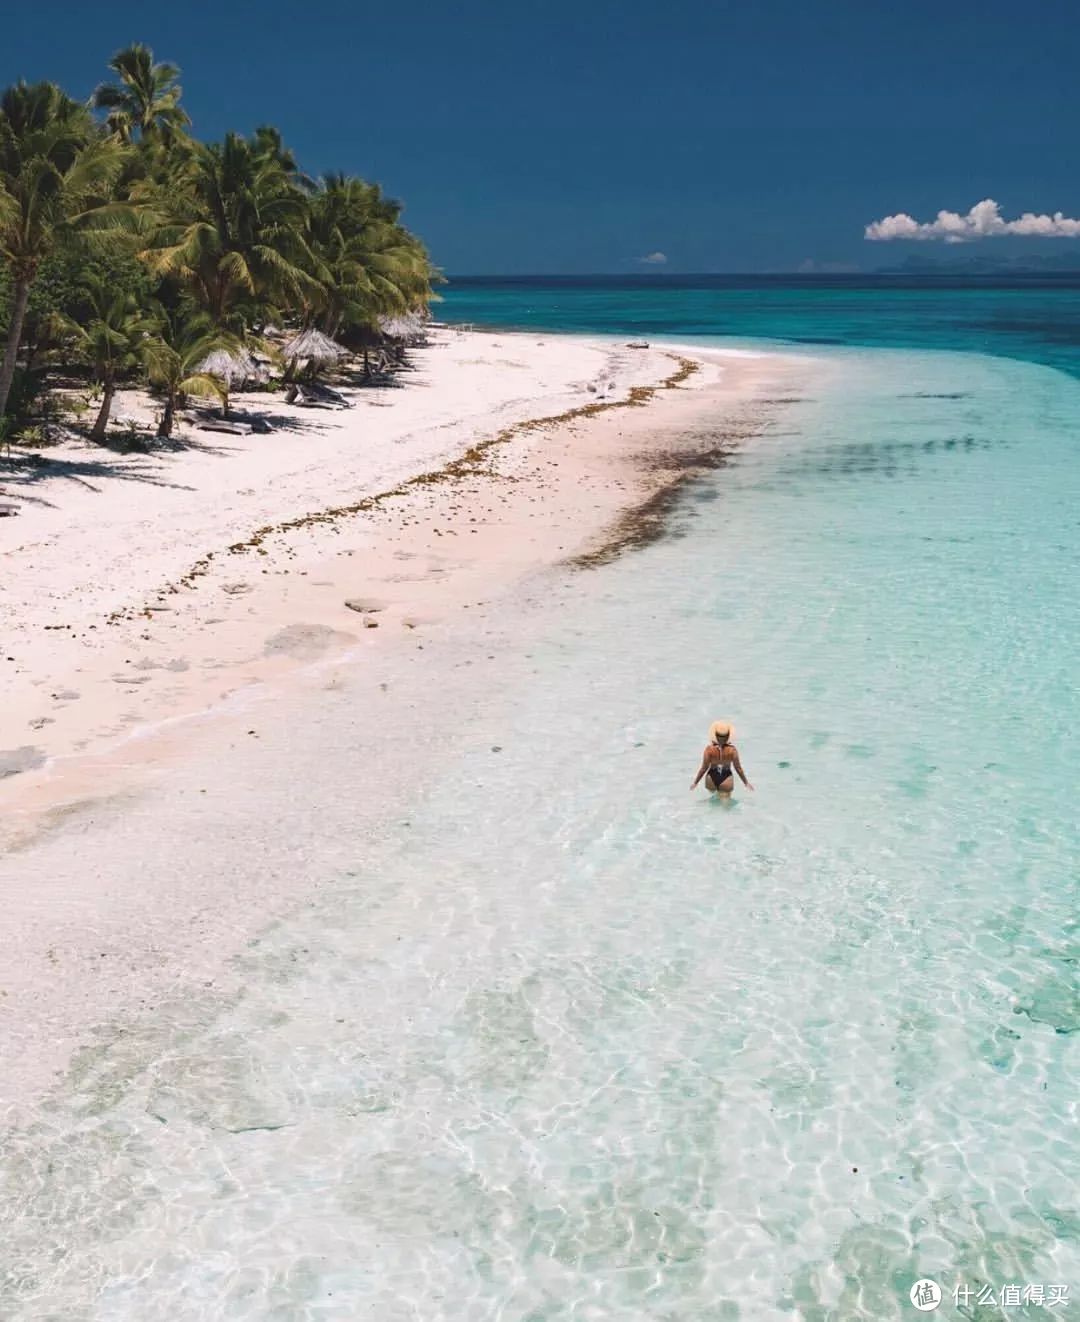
(173, 619)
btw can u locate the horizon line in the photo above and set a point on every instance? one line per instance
(943, 270)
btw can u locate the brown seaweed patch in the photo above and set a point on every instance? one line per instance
(634, 529)
(688, 462)
(650, 519)
(697, 454)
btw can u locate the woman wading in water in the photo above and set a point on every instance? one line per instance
(720, 762)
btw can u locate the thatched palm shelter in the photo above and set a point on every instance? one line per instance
(407, 331)
(410, 329)
(304, 354)
(313, 347)
(388, 337)
(365, 338)
(233, 367)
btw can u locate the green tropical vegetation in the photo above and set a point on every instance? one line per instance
(145, 103)
(111, 342)
(132, 252)
(183, 339)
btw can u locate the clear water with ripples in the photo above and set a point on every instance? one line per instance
(571, 1044)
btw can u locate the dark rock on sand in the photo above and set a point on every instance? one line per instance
(304, 642)
(15, 760)
(177, 664)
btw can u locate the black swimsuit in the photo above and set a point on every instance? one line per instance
(718, 775)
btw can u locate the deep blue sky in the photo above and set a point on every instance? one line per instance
(580, 135)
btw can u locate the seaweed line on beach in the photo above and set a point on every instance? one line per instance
(648, 521)
(469, 464)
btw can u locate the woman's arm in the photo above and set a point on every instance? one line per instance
(742, 773)
(705, 764)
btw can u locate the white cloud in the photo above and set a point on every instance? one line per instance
(654, 259)
(983, 221)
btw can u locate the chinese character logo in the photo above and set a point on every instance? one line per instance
(925, 1295)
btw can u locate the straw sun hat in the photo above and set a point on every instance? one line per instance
(724, 728)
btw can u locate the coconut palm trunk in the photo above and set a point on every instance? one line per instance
(97, 432)
(14, 338)
(165, 427)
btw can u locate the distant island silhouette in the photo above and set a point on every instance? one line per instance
(1048, 264)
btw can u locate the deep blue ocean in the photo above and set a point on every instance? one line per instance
(1035, 318)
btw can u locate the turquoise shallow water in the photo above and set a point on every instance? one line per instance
(571, 1043)
(1035, 319)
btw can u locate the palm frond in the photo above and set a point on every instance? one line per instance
(201, 383)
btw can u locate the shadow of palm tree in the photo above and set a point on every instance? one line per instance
(146, 446)
(24, 498)
(37, 468)
(261, 420)
(356, 380)
(281, 421)
(177, 444)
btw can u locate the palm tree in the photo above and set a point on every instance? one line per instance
(229, 225)
(53, 163)
(146, 102)
(115, 340)
(185, 338)
(366, 262)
